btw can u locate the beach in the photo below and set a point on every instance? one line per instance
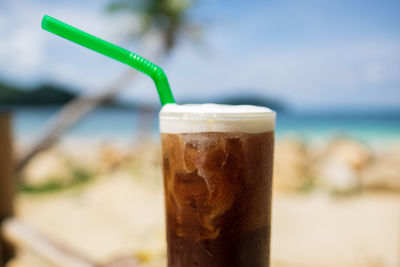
(336, 203)
(87, 87)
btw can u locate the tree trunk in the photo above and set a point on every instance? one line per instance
(76, 110)
(6, 181)
(70, 114)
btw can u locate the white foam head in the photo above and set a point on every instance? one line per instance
(192, 118)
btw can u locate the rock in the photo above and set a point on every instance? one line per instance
(146, 161)
(112, 156)
(50, 164)
(290, 165)
(82, 155)
(339, 165)
(384, 172)
(353, 153)
(338, 176)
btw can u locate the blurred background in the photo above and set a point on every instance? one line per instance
(80, 175)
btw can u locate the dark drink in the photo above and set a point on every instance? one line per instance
(218, 187)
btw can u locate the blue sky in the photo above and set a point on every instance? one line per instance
(309, 54)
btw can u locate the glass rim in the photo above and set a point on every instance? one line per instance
(216, 116)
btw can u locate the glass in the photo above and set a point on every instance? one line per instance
(217, 169)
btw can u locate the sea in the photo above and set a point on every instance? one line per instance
(121, 124)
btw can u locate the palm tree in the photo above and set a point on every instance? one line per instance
(169, 18)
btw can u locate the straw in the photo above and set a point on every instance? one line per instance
(113, 51)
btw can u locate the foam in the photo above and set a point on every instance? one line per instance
(193, 118)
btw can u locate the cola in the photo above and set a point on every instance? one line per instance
(217, 186)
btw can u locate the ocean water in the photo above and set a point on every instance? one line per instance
(124, 124)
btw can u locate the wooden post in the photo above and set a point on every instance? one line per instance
(7, 185)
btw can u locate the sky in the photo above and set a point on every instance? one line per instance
(310, 55)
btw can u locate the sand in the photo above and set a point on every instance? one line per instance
(338, 220)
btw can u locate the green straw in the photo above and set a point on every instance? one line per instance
(113, 51)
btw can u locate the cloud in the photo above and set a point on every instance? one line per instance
(20, 44)
(300, 54)
(302, 74)
(307, 55)
(29, 54)
(24, 49)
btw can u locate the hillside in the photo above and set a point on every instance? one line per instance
(11, 95)
(48, 94)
